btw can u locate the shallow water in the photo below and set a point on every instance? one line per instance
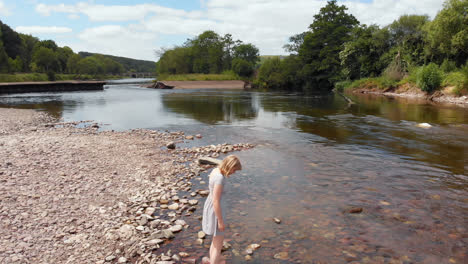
(316, 157)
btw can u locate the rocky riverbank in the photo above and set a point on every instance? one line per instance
(444, 96)
(74, 194)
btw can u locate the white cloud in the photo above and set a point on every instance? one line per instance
(265, 23)
(117, 40)
(4, 10)
(42, 30)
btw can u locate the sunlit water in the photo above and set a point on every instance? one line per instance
(315, 157)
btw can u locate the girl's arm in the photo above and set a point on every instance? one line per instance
(217, 192)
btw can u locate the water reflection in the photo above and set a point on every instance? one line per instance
(212, 107)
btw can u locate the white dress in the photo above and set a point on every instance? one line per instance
(210, 221)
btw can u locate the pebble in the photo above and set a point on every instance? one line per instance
(173, 206)
(122, 260)
(171, 145)
(184, 254)
(153, 242)
(193, 202)
(110, 258)
(201, 234)
(277, 220)
(176, 228)
(281, 255)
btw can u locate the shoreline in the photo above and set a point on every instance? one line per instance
(406, 91)
(228, 84)
(79, 195)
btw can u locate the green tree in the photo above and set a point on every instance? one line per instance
(44, 58)
(207, 53)
(15, 65)
(408, 36)
(320, 51)
(247, 52)
(361, 56)
(447, 34)
(62, 57)
(27, 45)
(89, 65)
(270, 74)
(242, 67)
(72, 63)
(11, 41)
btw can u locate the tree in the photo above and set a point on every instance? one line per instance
(72, 63)
(320, 51)
(247, 52)
(361, 55)
(11, 41)
(269, 74)
(447, 34)
(408, 36)
(44, 58)
(27, 45)
(242, 67)
(207, 52)
(89, 65)
(296, 42)
(62, 57)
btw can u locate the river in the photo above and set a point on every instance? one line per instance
(316, 157)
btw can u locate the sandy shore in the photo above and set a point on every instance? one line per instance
(205, 84)
(78, 195)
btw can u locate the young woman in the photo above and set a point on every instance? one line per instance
(214, 209)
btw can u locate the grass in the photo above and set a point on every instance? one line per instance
(225, 76)
(380, 83)
(456, 79)
(42, 77)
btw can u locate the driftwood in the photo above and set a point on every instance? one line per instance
(209, 161)
(160, 85)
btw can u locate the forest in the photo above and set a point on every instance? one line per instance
(338, 51)
(22, 53)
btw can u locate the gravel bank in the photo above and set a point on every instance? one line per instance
(77, 195)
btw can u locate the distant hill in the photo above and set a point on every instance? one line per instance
(127, 63)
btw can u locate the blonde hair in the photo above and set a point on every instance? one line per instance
(228, 164)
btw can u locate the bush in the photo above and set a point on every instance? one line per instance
(343, 85)
(448, 66)
(51, 76)
(242, 67)
(429, 77)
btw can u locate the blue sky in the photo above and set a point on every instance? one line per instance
(138, 28)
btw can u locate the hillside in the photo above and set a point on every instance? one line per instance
(127, 63)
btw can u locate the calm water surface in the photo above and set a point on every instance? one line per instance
(316, 157)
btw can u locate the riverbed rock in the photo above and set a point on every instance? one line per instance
(201, 234)
(173, 206)
(281, 255)
(355, 210)
(171, 145)
(155, 241)
(209, 161)
(126, 232)
(204, 192)
(176, 228)
(189, 137)
(184, 254)
(277, 220)
(193, 202)
(122, 260)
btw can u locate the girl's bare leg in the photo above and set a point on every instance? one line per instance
(215, 250)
